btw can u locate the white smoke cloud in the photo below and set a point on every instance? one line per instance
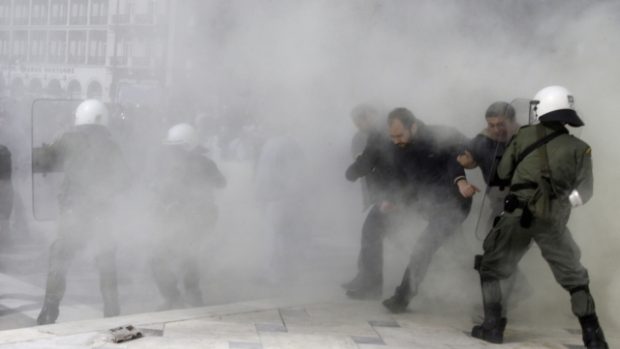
(301, 65)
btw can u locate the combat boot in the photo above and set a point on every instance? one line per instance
(593, 337)
(49, 314)
(399, 302)
(193, 297)
(365, 292)
(109, 293)
(492, 329)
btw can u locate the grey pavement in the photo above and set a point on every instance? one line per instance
(287, 323)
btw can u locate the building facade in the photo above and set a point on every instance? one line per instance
(82, 48)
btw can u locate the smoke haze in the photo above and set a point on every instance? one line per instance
(297, 68)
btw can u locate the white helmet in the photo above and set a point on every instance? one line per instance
(91, 112)
(555, 103)
(184, 135)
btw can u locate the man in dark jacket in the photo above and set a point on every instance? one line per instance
(183, 184)
(95, 174)
(433, 181)
(375, 165)
(6, 194)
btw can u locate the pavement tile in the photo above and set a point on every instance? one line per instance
(175, 343)
(271, 316)
(271, 328)
(294, 312)
(383, 323)
(244, 345)
(208, 328)
(289, 340)
(368, 340)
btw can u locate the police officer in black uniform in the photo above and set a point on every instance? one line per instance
(6, 193)
(95, 173)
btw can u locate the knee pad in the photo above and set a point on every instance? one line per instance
(581, 300)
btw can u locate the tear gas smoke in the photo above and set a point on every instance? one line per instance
(296, 68)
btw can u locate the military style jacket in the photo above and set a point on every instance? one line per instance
(545, 184)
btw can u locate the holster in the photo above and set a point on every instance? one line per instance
(512, 202)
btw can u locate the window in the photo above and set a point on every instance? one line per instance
(20, 45)
(140, 53)
(122, 51)
(38, 12)
(99, 12)
(144, 12)
(59, 12)
(122, 12)
(77, 47)
(5, 12)
(5, 48)
(78, 11)
(21, 11)
(38, 41)
(57, 46)
(97, 47)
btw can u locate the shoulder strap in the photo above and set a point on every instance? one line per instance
(540, 142)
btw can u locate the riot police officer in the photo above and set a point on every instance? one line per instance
(548, 172)
(183, 184)
(6, 193)
(95, 173)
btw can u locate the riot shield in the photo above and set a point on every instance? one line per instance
(523, 111)
(50, 118)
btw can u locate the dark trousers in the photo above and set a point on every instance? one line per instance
(370, 260)
(75, 234)
(444, 219)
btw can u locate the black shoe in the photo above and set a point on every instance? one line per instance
(593, 337)
(490, 331)
(364, 293)
(353, 284)
(396, 304)
(48, 315)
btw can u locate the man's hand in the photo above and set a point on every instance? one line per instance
(466, 160)
(467, 189)
(386, 207)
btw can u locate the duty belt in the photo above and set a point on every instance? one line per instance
(512, 202)
(522, 186)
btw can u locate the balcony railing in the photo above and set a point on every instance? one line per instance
(56, 59)
(96, 60)
(121, 19)
(20, 20)
(76, 59)
(118, 60)
(59, 20)
(144, 18)
(140, 61)
(78, 20)
(98, 20)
